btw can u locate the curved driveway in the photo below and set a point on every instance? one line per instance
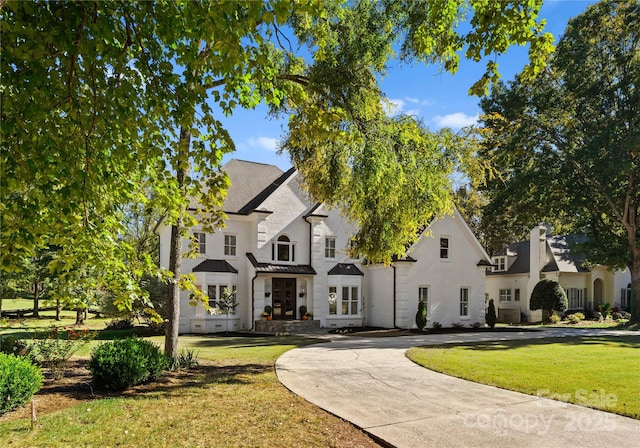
(370, 382)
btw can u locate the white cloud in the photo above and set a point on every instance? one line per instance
(412, 100)
(412, 112)
(457, 120)
(268, 143)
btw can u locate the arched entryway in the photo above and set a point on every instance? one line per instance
(598, 293)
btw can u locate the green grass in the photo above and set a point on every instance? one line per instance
(17, 304)
(599, 372)
(233, 400)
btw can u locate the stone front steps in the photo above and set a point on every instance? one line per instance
(287, 326)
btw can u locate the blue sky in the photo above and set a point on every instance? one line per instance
(439, 99)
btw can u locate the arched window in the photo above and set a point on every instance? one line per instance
(283, 249)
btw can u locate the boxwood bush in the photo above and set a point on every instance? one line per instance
(121, 364)
(19, 380)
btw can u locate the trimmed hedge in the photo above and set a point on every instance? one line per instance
(121, 364)
(19, 380)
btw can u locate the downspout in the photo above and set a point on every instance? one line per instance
(393, 266)
(253, 301)
(306, 218)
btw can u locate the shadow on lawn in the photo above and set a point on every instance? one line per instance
(618, 341)
(232, 340)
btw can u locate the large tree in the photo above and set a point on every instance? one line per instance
(105, 101)
(569, 143)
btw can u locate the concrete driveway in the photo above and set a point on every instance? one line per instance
(370, 382)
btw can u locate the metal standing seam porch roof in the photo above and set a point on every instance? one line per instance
(273, 268)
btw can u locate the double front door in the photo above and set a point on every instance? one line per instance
(284, 298)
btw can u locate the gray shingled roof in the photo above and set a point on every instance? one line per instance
(248, 180)
(560, 256)
(345, 269)
(215, 266)
(280, 268)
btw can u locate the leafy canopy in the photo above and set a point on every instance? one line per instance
(104, 102)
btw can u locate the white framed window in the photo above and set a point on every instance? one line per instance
(500, 264)
(423, 296)
(444, 247)
(516, 295)
(464, 302)
(576, 297)
(333, 300)
(201, 239)
(505, 295)
(215, 295)
(230, 245)
(349, 301)
(283, 249)
(330, 247)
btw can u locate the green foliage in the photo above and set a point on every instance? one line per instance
(490, 316)
(73, 169)
(52, 348)
(421, 315)
(436, 325)
(124, 363)
(554, 318)
(575, 317)
(16, 346)
(548, 296)
(303, 310)
(605, 309)
(566, 144)
(186, 359)
(19, 380)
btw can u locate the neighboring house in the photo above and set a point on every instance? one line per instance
(520, 266)
(282, 250)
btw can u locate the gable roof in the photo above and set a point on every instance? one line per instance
(249, 180)
(559, 256)
(457, 217)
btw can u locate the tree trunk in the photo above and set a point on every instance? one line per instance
(57, 309)
(79, 316)
(173, 291)
(36, 300)
(175, 253)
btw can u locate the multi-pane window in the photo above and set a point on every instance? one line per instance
(349, 300)
(230, 245)
(464, 301)
(201, 239)
(576, 298)
(444, 248)
(625, 297)
(500, 264)
(516, 295)
(333, 300)
(283, 249)
(505, 295)
(330, 247)
(215, 293)
(423, 296)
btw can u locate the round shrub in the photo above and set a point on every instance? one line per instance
(19, 380)
(121, 364)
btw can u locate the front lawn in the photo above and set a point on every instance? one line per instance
(233, 399)
(599, 372)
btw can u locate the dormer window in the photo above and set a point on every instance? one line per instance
(283, 249)
(500, 264)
